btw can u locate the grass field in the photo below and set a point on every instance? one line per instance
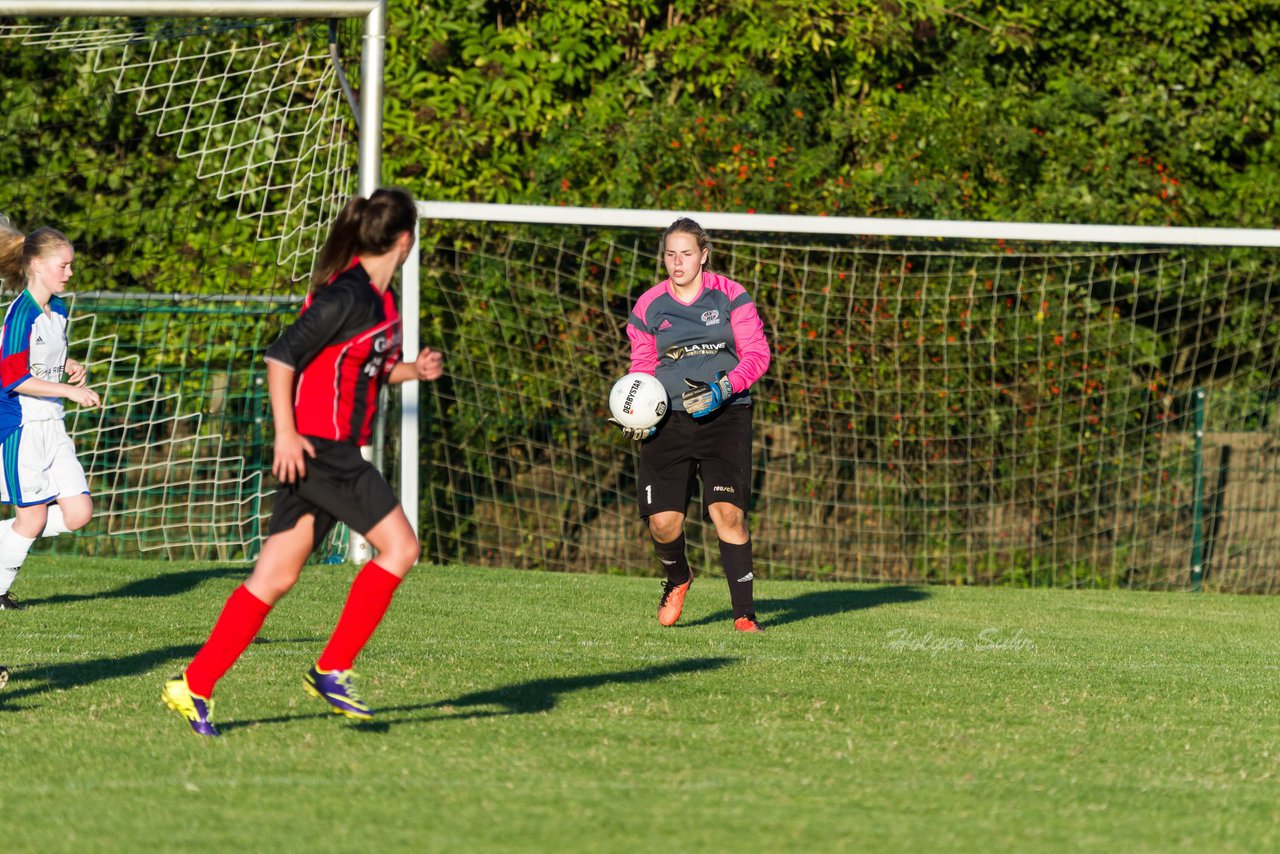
(529, 711)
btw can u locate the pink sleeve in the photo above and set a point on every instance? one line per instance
(752, 347)
(644, 347)
(644, 350)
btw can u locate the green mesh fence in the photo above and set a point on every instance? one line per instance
(178, 456)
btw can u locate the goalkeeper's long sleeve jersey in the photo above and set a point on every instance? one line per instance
(719, 331)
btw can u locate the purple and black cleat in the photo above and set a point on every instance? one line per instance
(335, 688)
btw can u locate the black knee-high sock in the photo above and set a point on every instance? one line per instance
(737, 564)
(673, 559)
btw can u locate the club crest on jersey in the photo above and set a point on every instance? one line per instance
(711, 318)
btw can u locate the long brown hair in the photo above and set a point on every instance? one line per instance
(17, 250)
(364, 227)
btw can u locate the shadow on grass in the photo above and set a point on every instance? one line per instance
(820, 603)
(163, 584)
(523, 698)
(541, 695)
(36, 679)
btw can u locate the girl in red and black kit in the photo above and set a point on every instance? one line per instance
(324, 374)
(698, 332)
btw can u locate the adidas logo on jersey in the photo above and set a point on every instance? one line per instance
(39, 340)
(665, 324)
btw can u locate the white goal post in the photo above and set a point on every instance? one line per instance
(373, 13)
(856, 226)
(555, 280)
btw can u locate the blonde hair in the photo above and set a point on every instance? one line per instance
(18, 250)
(10, 253)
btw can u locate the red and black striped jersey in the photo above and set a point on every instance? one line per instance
(342, 346)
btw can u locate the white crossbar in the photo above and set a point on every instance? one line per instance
(780, 223)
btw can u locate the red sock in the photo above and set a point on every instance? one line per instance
(370, 595)
(237, 625)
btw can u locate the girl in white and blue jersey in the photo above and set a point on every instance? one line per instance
(39, 473)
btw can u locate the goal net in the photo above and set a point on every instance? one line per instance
(195, 164)
(949, 406)
(1030, 411)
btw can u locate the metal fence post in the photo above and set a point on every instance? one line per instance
(1197, 487)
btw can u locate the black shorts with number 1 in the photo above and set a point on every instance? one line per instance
(715, 450)
(340, 486)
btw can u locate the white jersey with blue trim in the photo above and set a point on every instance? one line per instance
(33, 344)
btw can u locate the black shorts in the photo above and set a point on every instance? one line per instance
(715, 450)
(340, 486)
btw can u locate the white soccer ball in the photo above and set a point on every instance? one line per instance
(638, 400)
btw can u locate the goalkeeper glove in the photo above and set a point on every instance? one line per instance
(635, 434)
(703, 398)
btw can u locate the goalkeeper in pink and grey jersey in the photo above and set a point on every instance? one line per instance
(698, 332)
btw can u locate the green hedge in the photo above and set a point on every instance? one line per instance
(1141, 112)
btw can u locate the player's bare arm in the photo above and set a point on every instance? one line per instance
(291, 447)
(428, 367)
(86, 397)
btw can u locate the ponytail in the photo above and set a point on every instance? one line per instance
(339, 246)
(17, 251)
(11, 266)
(364, 226)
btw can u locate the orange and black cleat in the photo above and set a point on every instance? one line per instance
(747, 623)
(672, 601)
